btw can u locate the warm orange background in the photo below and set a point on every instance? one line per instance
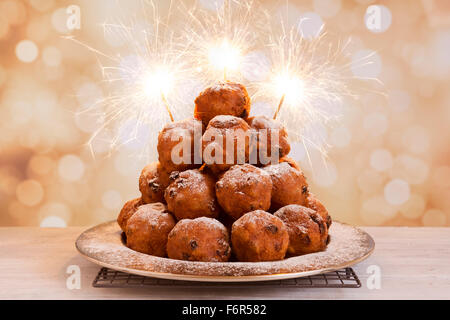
(386, 150)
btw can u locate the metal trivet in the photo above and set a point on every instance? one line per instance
(344, 278)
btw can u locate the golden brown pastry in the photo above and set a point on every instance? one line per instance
(289, 161)
(129, 208)
(148, 230)
(171, 140)
(307, 230)
(223, 130)
(259, 236)
(313, 203)
(267, 129)
(153, 181)
(225, 98)
(242, 189)
(192, 195)
(201, 239)
(289, 185)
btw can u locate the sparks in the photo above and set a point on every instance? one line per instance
(307, 83)
(149, 80)
(224, 57)
(219, 39)
(289, 88)
(159, 83)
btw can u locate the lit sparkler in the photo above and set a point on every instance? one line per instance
(157, 70)
(151, 74)
(218, 40)
(308, 81)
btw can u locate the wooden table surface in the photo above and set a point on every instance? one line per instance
(414, 264)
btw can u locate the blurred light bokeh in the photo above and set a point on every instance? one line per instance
(389, 157)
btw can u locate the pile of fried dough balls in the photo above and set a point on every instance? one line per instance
(221, 212)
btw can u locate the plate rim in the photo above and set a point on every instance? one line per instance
(225, 278)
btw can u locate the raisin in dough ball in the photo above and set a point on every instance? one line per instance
(307, 230)
(259, 236)
(153, 182)
(223, 130)
(289, 185)
(201, 239)
(176, 136)
(192, 195)
(267, 129)
(148, 230)
(226, 98)
(129, 208)
(242, 189)
(313, 203)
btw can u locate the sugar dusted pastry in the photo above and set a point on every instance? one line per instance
(224, 98)
(313, 203)
(174, 139)
(259, 236)
(307, 230)
(148, 229)
(128, 209)
(226, 142)
(266, 130)
(192, 194)
(153, 181)
(242, 189)
(289, 185)
(201, 239)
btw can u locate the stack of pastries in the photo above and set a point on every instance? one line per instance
(224, 210)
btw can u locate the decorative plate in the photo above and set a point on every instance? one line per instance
(103, 245)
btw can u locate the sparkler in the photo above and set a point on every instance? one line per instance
(221, 38)
(151, 73)
(160, 69)
(159, 82)
(224, 57)
(289, 86)
(308, 80)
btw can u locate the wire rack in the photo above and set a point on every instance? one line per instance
(344, 278)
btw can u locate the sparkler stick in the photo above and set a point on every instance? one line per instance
(163, 97)
(279, 106)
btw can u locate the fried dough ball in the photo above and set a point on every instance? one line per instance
(220, 130)
(265, 128)
(181, 135)
(225, 98)
(148, 229)
(201, 239)
(242, 189)
(192, 195)
(129, 208)
(307, 230)
(291, 162)
(289, 185)
(152, 183)
(259, 236)
(313, 203)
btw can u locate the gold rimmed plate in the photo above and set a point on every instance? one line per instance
(103, 245)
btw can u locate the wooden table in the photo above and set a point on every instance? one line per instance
(414, 264)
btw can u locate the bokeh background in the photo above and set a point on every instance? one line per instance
(389, 156)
